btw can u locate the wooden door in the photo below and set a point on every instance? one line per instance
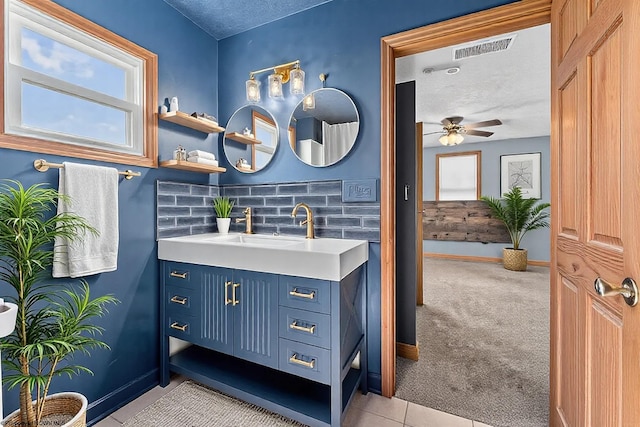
(595, 341)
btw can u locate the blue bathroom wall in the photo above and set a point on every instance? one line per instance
(188, 64)
(342, 39)
(537, 242)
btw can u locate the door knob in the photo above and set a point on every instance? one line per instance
(628, 290)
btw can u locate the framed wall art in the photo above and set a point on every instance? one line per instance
(521, 170)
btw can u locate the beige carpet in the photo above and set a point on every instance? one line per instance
(193, 405)
(484, 344)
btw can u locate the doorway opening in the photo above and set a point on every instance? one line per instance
(504, 19)
(483, 330)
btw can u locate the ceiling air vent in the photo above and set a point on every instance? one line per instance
(483, 47)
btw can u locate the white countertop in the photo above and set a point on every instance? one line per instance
(328, 259)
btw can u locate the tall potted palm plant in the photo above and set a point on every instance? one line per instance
(53, 321)
(520, 216)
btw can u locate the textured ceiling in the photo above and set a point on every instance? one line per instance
(512, 85)
(224, 18)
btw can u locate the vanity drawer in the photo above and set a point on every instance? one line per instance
(304, 360)
(181, 300)
(179, 274)
(183, 327)
(305, 326)
(306, 294)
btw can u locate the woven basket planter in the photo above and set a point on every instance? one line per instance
(59, 406)
(514, 259)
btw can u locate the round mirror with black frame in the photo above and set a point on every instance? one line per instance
(250, 139)
(324, 127)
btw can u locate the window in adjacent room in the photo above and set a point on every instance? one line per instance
(458, 176)
(74, 88)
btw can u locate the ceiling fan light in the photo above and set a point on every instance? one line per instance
(451, 138)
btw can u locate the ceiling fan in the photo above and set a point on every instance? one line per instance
(453, 130)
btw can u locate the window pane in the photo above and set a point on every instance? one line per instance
(55, 59)
(49, 110)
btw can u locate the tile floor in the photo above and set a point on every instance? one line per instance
(371, 410)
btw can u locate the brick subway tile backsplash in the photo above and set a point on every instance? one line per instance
(184, 209)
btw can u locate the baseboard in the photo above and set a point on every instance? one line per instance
(101, 408)
(480, 259)
(407, 351)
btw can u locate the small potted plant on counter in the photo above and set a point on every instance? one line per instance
(223, 206)
(520, 216)
(54, 320)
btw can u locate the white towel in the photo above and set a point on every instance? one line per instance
(93, 193)
(202, 154)
(202, 160)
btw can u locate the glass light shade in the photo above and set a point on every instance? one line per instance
(275, 86)
(296, 81)
(451, 138)
(253, 90)
(308, 102)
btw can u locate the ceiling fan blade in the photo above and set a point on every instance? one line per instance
(452, 120)
(478, 132)
(484, 124)
(432, 133)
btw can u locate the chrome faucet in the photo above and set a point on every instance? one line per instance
(247, 219)
(308, 221)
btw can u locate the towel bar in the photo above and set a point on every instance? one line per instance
(42, 165)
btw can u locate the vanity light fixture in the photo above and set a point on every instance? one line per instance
(282, 73)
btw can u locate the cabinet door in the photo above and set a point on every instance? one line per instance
(255, 336)
(216, 309)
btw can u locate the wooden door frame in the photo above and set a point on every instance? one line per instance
(499, 20)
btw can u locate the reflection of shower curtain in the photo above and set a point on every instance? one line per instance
(337, 140)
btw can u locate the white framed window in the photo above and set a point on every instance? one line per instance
(66, 86)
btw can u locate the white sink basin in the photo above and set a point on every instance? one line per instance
(255, 240)
(329, 259)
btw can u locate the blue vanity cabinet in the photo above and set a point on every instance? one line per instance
(231, 311)
(287, 344)
(255, 317)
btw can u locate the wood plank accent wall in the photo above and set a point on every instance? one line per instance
(462, 221)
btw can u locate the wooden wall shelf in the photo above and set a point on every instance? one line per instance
(191, 166)
(184, 119)
(242, 138)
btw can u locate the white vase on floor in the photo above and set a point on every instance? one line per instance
(223, 225)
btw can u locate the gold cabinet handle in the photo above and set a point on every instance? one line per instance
(179, 275)
(176, 325)
(294, 359)
(227, 301)
(233, 294)
(297, 327)
(295, 293)
(180, 300)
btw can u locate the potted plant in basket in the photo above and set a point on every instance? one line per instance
(53, 321)
(520, 216)
(223, 206)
